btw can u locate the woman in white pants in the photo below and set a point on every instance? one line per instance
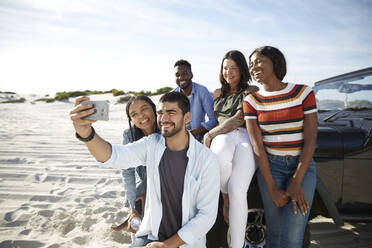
(230, 142)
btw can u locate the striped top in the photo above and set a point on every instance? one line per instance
(280, 115)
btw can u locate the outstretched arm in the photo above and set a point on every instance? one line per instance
(98, 147)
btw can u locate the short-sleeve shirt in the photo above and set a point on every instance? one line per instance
(280, 116)
(172, 169)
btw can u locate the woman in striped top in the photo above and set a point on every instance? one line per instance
(282, 125)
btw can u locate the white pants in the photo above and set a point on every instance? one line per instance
(237, 167)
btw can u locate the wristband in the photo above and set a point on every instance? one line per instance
(89, 138)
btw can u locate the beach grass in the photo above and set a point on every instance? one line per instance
(65, 95)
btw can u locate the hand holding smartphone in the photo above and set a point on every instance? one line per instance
(101, 108)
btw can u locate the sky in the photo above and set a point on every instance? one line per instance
(48, 46)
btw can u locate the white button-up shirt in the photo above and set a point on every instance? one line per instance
(200, 192)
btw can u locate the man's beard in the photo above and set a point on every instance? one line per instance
(185, 86)
(174, 131)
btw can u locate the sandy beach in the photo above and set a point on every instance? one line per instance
(53, 194)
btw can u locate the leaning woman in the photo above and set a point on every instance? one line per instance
(282, 125)
(230, 142)
(141, 111)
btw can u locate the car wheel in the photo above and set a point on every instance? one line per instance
(255, 230)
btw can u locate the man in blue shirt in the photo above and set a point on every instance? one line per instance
(200, 98)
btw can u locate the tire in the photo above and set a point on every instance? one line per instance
(255, 230)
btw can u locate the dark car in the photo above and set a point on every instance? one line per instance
(344, 146)
(343, 159)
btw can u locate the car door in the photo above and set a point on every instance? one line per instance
(356, 190)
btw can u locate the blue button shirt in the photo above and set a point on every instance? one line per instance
(201, 102)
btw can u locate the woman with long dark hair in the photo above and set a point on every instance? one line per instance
(282, 125)
(141, 111)
(230, 142)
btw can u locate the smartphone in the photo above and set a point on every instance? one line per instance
(102, 110)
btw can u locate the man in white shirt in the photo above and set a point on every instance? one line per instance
(182, 174)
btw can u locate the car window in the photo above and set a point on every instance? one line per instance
(356, 94)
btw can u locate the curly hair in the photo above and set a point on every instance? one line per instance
(183, 62)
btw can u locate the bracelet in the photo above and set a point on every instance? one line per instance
(89, 138)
